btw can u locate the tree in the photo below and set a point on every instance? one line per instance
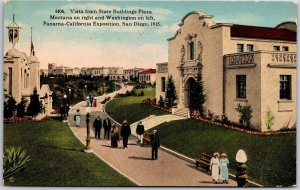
(21, 106)
(111, 86)
(269, 118)
(198, 99)
(9, 107)
(35, 106)
(170, 93)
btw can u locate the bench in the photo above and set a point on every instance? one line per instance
(204, 161)
(147, 138)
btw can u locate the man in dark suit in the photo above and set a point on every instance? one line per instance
(107, 127)
(125, 133)
(97, 125)
(154, 139)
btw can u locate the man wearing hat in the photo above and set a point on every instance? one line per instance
(224, 168)
(125, 133)
(97, 125)
(154, 139)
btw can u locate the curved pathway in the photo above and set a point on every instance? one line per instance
(134, 162)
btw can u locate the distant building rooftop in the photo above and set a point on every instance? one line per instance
(263, 33)
(148, 71)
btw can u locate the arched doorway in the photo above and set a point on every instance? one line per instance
(191, 91)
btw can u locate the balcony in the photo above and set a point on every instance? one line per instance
(251, 59)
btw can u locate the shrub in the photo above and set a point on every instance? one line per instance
(21, 106)
(35, 106)
(224, 119)
(245, 114)
(269, 118)
(142, 93)
(210, 114)
(15, 159)
(10, 107)
(161, 101)
(215, 118)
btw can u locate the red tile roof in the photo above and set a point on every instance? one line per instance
(262, 33)
(148, 71)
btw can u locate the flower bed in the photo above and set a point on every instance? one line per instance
(152, 102)
(16, 119)
(234, 127)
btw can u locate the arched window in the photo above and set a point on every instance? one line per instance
(191, 50)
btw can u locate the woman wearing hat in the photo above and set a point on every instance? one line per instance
(224, 168)
(114, 136)
(214, 167)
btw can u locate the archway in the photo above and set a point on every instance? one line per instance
(191, 91)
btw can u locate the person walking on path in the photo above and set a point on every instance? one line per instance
(77, 118)
(214, 167)
(97, 125)
(140, 130)
(125, 133)
(224, 168)
(154, 139)
(114, 136)
(107, 127)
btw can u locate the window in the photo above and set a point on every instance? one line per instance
(285, 87)
(285, 48)
(163, 84)
(192, 49)
(240, 86)
(276, 48)
(249, 47)
(240, 48)
(10, 81)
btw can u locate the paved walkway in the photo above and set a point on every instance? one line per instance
(135, 163)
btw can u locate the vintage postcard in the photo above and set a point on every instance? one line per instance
(149, 93)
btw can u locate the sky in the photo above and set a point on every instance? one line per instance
(127, 47)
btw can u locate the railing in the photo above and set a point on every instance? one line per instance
(241, 59)
(284, 57)
(257, 57)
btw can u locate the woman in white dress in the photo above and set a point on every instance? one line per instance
(215, 167)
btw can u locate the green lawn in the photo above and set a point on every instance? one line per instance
(131, 108)
(57, 158)
(271, 159)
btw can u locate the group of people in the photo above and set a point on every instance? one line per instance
(112, 132)
(91, 101)
(106, 124)
(219, 168)
(154, 139)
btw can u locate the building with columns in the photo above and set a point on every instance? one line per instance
(240, 64)
(22, 75)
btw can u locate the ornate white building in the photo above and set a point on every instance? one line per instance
(22, 75)
(247, 65)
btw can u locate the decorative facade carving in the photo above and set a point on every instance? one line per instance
(284, 58)
(182, 52)
(200, 50)
(241, 59)
(162, 67)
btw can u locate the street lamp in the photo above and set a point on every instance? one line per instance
(104, 88)
(241, 176)
(87, 148)
(64, 108)
(70, 96)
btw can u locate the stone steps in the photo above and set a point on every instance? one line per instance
(152, 121)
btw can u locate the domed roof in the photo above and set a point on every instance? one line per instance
(32, 58)
(15, 53)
